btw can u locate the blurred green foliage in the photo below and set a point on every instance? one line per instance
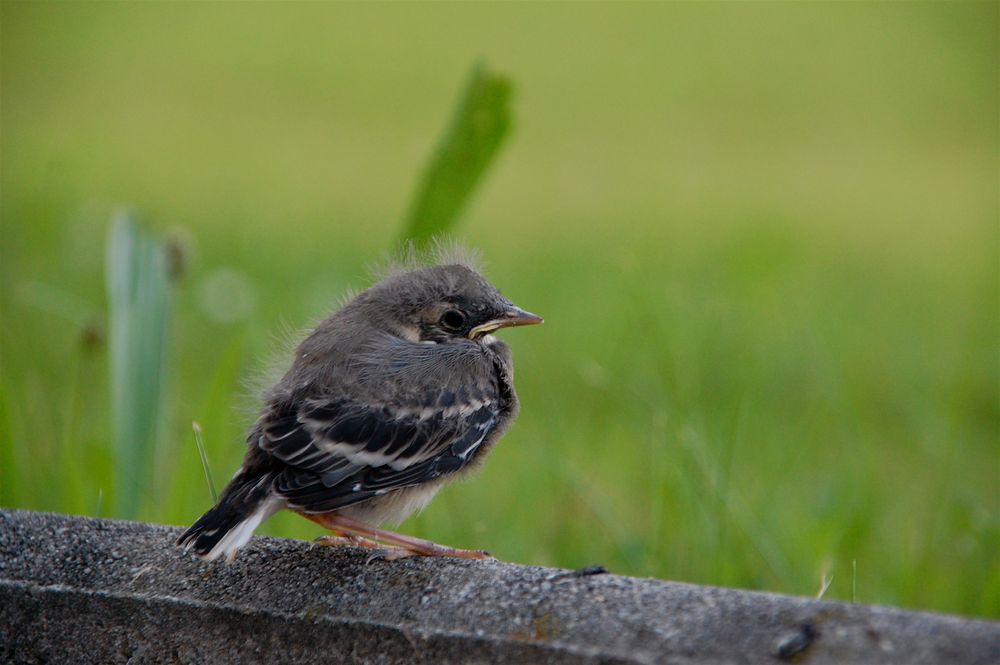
(763, 237)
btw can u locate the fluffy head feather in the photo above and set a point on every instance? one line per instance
(440, 252)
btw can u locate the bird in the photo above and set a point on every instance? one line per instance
(398, 392)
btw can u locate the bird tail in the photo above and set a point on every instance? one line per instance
(245, 503)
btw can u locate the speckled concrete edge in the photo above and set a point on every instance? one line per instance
(83, 590)
(193, 648)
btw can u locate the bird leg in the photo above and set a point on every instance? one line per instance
(400, 546)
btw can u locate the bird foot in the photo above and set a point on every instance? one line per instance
(389, 554)
(345, 541)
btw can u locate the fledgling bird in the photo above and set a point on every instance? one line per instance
(398, 392)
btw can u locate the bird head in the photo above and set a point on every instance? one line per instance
(444, 303)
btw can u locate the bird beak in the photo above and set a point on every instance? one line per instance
(515, 316)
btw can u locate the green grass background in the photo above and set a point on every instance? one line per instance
(763, 237)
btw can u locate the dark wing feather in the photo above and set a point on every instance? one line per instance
(339, 452)
(286, 440)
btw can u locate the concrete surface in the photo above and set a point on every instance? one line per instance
(78, 590)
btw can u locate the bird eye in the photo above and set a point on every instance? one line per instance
(453, 319)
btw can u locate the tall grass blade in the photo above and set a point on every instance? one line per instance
(824, 585)
(480, 122)
(196, 426)
(138, 312)
(7, 476)
(854, 580)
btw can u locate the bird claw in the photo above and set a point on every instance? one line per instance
(345, 541)
(331, 541)
(389, 554)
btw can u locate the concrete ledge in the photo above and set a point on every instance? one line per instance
(96, 591)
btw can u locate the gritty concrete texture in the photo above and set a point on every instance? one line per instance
(78, 590)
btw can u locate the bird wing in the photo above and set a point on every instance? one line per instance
(339, 451)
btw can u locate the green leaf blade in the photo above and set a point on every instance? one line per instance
(138, 291)
(480, 123)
